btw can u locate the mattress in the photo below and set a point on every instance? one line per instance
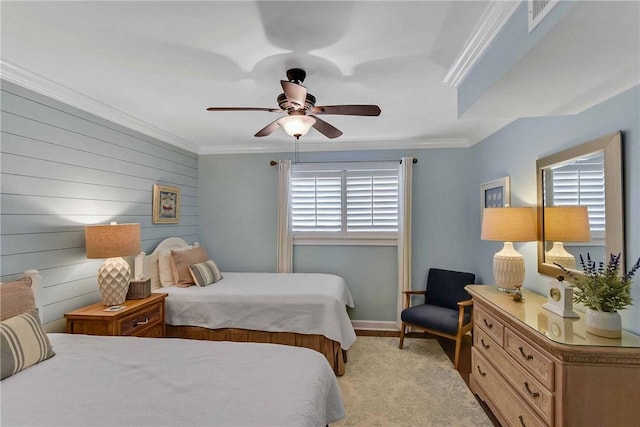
(130, 381)
(304, 303)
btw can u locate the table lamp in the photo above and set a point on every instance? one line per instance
(565, 224)
(509, 225)
(113, 242)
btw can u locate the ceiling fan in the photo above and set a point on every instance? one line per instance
(301, 110)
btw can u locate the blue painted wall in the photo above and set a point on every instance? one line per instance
(238, 216)
(514, 150)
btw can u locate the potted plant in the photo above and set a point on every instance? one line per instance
(603, 291)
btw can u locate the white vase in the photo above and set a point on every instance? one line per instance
(604, 324)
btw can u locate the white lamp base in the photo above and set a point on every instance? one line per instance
(508, 269)
(113, 278)
(559, 255)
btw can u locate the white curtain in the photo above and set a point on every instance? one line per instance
(285, 240)
(404, 232)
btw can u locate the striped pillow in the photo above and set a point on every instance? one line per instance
(23, 343)
(205, 273)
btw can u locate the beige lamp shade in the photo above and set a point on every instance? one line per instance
(567, 224)
(509, 224)
(113, 240)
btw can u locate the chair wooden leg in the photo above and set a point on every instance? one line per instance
(402, 336)
(456, 358)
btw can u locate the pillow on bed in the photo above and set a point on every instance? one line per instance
(16, 298)
(205, 273)
(165, 268)
(23, 343)
(181, 262)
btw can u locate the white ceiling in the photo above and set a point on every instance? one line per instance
(157, 66)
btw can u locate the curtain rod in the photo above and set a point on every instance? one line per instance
(274, 163)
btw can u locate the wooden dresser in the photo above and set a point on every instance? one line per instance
(535, 368)
(139, 317)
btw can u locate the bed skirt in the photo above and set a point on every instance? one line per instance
(331, 349)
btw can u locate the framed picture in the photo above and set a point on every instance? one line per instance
(495, 194)
(166, 205)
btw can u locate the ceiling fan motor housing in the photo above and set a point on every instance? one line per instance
(284, 104)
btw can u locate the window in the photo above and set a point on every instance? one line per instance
(581, 183)
(345, 202)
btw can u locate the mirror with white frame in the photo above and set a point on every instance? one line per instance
(580, 205)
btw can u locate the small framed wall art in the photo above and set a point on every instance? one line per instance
(166, 205)
(495, 194)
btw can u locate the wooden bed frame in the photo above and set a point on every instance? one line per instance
(335, 355)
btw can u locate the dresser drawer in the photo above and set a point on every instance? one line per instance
(141, 321)
(536, 395)
(489, 324)
(530, 358)
(511, 408)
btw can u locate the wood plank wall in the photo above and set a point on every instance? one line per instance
(62, 168)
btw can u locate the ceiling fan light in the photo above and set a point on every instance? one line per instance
(296, 126)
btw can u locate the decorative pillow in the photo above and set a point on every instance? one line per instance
(181, 262)
(165, 269)
(16, 298)
(23, 343)
(205, 273)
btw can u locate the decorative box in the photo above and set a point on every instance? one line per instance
(139, 289)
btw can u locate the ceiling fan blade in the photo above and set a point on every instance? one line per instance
(326, 129)
(268, 129)
(296, 94)
(348, 110)
(273, 110)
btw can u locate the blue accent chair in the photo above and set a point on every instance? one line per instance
(446, 311)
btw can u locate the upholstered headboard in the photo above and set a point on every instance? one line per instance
(147, 265)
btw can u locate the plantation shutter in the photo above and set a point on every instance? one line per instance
(582, 184)
(372, 200)
(345, 198)
(316, 201)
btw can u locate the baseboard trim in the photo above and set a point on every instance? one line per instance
(374, 325)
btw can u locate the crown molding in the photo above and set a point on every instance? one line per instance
(32, 81)
(493, 19)
(307, 147)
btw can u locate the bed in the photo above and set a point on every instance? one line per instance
(96, 380)
(297, 309)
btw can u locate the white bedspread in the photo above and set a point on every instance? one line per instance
(305, 303)
(128, 381)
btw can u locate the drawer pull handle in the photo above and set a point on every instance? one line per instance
(484, 374)
(143, 323)
(525, 355)
(522, 421)
(532, 393)
(486, 346)
(487, 324)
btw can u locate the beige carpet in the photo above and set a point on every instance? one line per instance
(415, 386)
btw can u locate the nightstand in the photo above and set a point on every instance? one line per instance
(140, 318)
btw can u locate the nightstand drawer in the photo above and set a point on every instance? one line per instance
(489, 324)
(139, 317)
(140, 321)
